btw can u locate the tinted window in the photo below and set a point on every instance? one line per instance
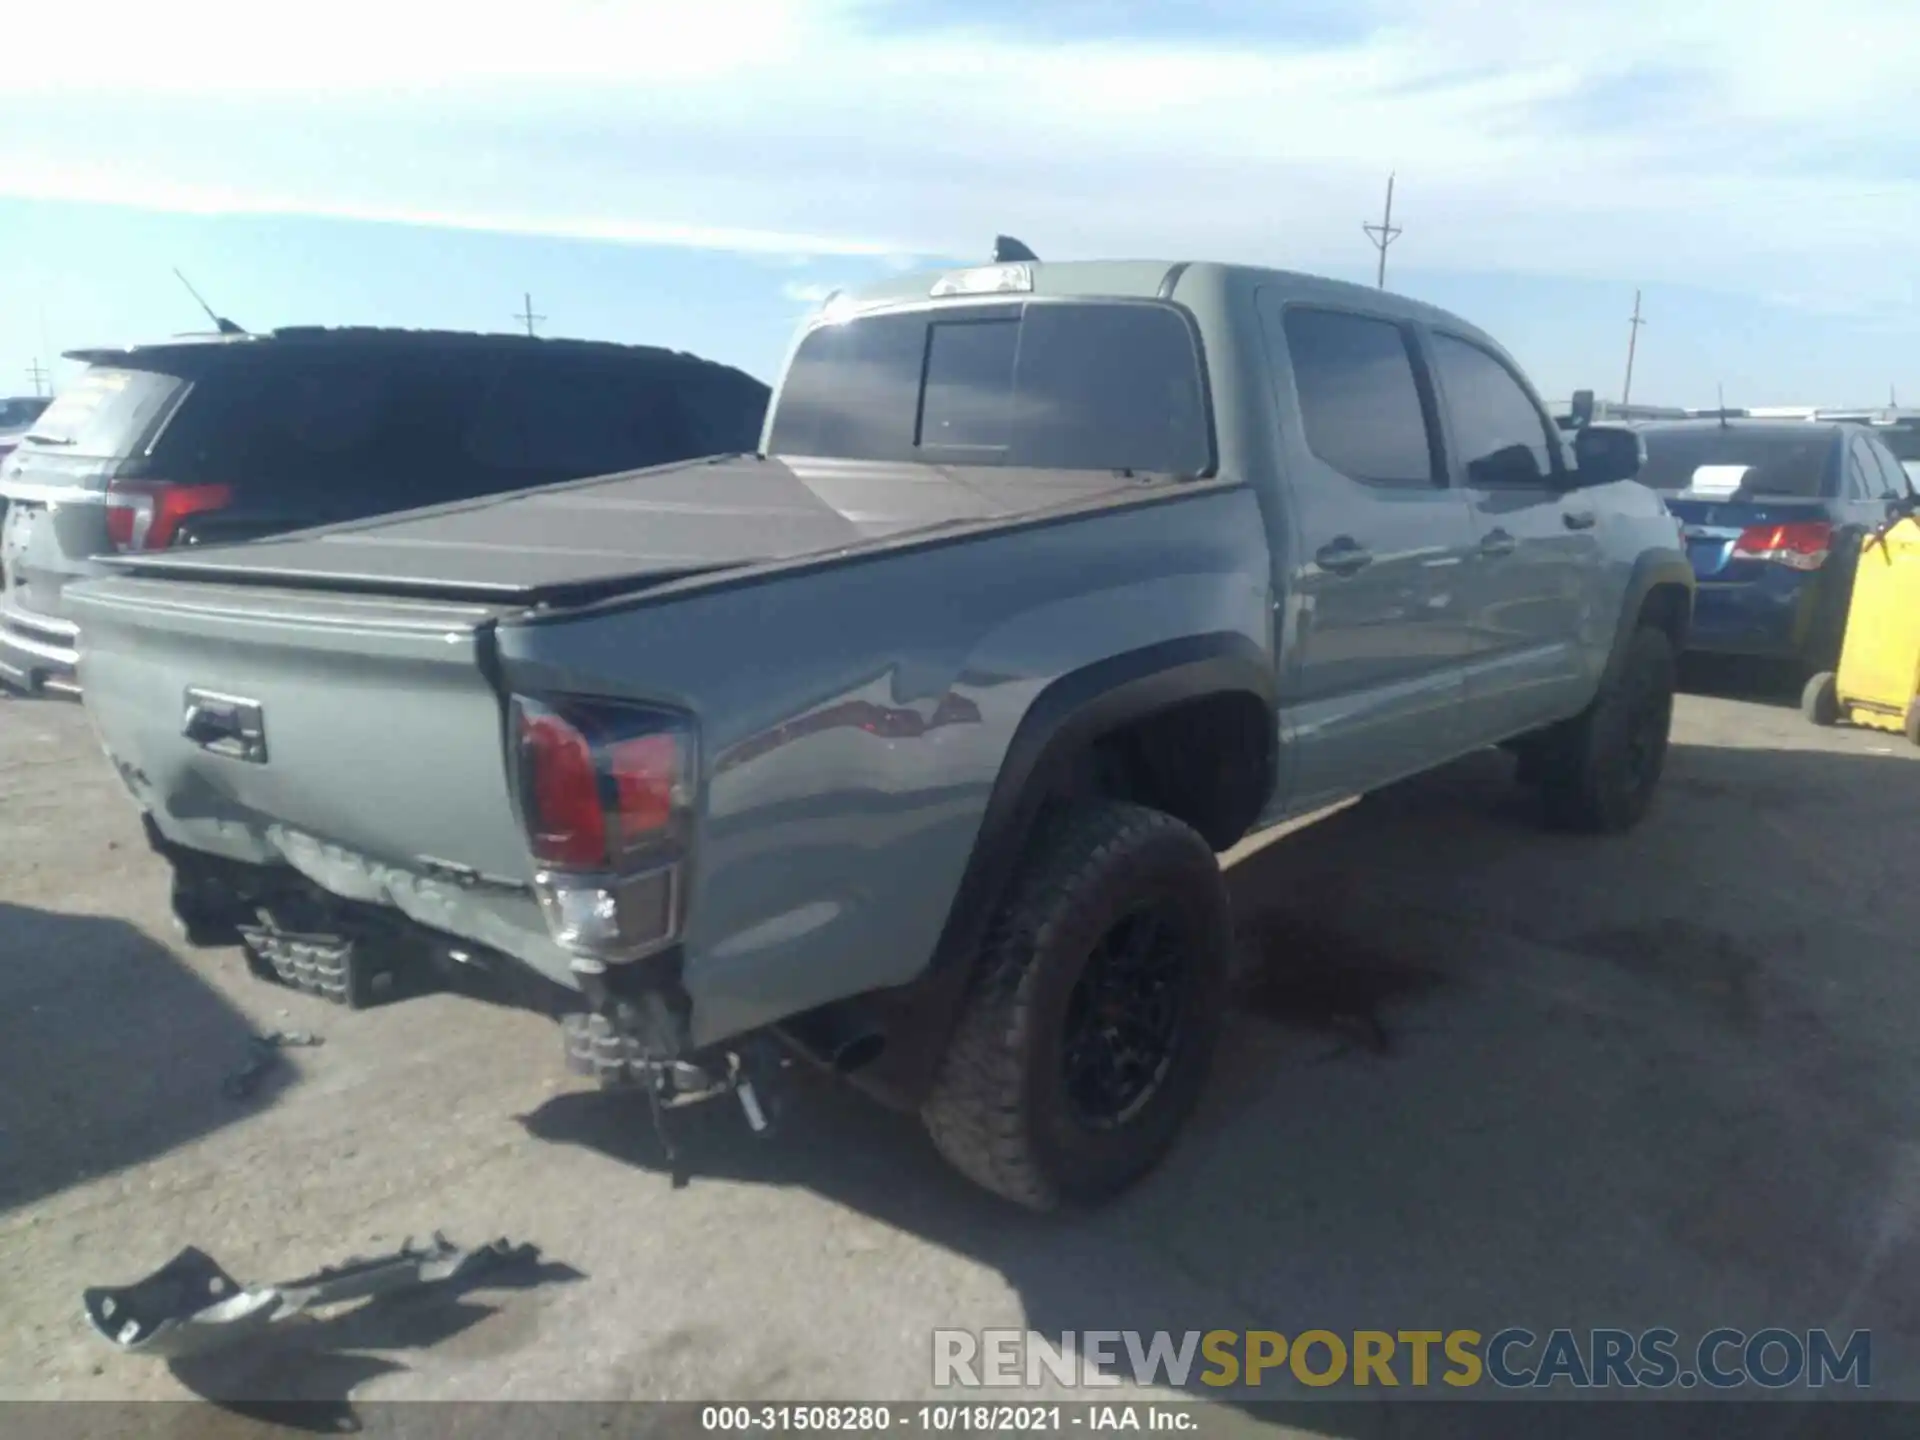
(577, 418)
(1863, 477)
(1359, 403)
(1721, 461)
(328, 434)
(1500, 432)
(724, 409)
(968, 400)
(350, 432)
(1076, 386)
(20, 412)
(1893, 477)
(106, 412)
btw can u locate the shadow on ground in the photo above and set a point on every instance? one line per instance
(92, 1079)
(1485, 1076)
(1740, 677)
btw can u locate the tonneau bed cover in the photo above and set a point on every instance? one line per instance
(595, 537)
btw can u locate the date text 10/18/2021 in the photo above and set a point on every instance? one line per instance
(945, 1419)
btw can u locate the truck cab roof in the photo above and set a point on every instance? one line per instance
(1131, 279)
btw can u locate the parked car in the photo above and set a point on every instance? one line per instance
(1773, 512)
(910, 740)
(17, 414)
(1898, 429)
(210, 440)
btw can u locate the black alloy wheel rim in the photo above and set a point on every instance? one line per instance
(1125, 1019)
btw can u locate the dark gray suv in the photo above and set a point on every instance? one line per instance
(233, 437)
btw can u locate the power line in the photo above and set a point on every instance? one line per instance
(526, 315)
(1633, 337)
(1383, 235)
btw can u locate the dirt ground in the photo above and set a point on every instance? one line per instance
(1480, 1076)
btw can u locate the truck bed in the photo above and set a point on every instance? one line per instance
(363, 660)
(595, 537)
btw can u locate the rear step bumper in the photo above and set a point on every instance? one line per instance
(38, 654)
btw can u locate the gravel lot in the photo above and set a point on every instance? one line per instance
(1481, 1076)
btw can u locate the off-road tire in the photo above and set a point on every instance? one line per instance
(999, 1109)
(1594, 776)
(1820, 699)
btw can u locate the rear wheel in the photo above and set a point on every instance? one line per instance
(1820, 700)
(1088, 1035)
(1598, 773)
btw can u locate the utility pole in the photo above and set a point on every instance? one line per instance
(1383, 235)
(526, 315)
(37, 373)
(1633, 336)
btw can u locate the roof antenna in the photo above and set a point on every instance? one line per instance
(1006, 250)
(220, 322)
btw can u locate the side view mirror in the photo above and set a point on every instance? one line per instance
(1606, 453)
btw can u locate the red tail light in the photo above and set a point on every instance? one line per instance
(561, 794)
(146, 514)
(605, 792)
(1802, 545)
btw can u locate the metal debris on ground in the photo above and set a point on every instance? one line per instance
(263, 1053)
(190, 1304)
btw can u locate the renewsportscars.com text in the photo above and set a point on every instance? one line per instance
(1514, 1358)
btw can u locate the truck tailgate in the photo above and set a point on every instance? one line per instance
(379, 730)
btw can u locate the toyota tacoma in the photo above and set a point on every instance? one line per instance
(910, 741)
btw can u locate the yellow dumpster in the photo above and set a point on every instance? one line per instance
(1878, 682)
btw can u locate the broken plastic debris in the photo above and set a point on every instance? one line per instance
(190, 1304)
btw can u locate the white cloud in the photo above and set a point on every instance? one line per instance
(1636, 140)
(808, 294)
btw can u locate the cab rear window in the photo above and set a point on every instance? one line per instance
(1048, 385)
(107, 412)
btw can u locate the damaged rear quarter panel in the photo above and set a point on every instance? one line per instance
(854, 717)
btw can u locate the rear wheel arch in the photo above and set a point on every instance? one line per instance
(1106, 730)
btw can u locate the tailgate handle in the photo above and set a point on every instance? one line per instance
(226, 725)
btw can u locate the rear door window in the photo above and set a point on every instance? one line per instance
(1360, 406)
(1071, 385)
(107, 413)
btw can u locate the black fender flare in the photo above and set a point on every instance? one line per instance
(1653, 570)
(917, 1019)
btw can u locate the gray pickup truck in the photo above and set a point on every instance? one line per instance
(910, 742)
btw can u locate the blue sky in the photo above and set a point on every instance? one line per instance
(697, 176)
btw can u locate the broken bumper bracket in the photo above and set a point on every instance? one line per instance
(190, 1304)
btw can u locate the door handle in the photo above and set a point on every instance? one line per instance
(1343, 556)
(1497, 542)
(1578, 519)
